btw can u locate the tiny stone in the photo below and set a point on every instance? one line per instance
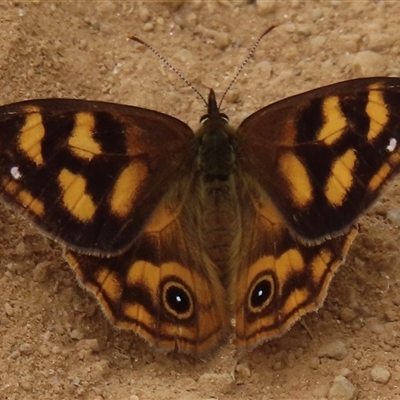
(377, 328)
(277, 366)
(41, 271)
(349, 42)
(317, 42)
(242, 371)
(26, 348)
(8, 309)
(13, 267)
(396, 301)
(345, 372)
(99, 370)
(342, 389)
(148, 26)
(368, 63)
(315, 363)
(75, 334)
(304, 29)
(380, 375)
(43, 350)
(55, 350)
(15, 354)
(336, 350)
(221, 40)
(266, 7)
(88, 344)
(20, 248)
(299, 352)
(358, 355)
(380, 41)
(144, 14)
(393, 216)
(358, 262)
(191, 18)
(264, 67)
(76, 381)
(216, 379)
(316, 14)
(347, 314)
(391, 315)
(25, 384)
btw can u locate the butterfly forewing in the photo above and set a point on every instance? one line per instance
(90, 174)
(323, 156)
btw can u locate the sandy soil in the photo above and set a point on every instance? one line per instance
(54, 341)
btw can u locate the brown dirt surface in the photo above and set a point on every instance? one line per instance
(55, 342)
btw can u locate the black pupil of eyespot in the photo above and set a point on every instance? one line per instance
(178, 300)
(261, 293)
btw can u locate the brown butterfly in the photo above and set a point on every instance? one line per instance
(176, 232)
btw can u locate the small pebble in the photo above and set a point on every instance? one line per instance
(347, 314)
(315, 363)
(41, 271)
(144, 13)
(342, 389)
(368, 63)
(8, 309)
(20, 248)
(380, 375)
(26, 348)
(25, 384)
(393, 216)
(43, 350)
(216, 379)
(88, 344)
(345, 372)
(242, 371)
(266, 7)
(336, 350)
(378, 41)
(75, 334)
(391, 315)
(221, 40)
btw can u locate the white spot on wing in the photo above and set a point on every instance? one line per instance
(15, 173)
(392, 145)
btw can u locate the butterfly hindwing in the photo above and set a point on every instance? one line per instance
(89, 174)
(279, 278)
(165, 287)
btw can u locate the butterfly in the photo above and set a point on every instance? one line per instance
(185, 236)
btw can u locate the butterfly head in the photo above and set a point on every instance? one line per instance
(213, 112)
(217, 146)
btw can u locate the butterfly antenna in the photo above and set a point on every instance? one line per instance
(249, 55)
(170, 66)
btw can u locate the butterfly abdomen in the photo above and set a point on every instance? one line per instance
(220, 220)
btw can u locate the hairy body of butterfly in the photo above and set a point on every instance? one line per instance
(176, 232)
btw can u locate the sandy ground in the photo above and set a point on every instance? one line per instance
(54, 341)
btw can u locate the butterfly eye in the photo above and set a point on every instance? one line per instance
(177, 299)
(261, 293)
(224, 117)
(204, 118)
